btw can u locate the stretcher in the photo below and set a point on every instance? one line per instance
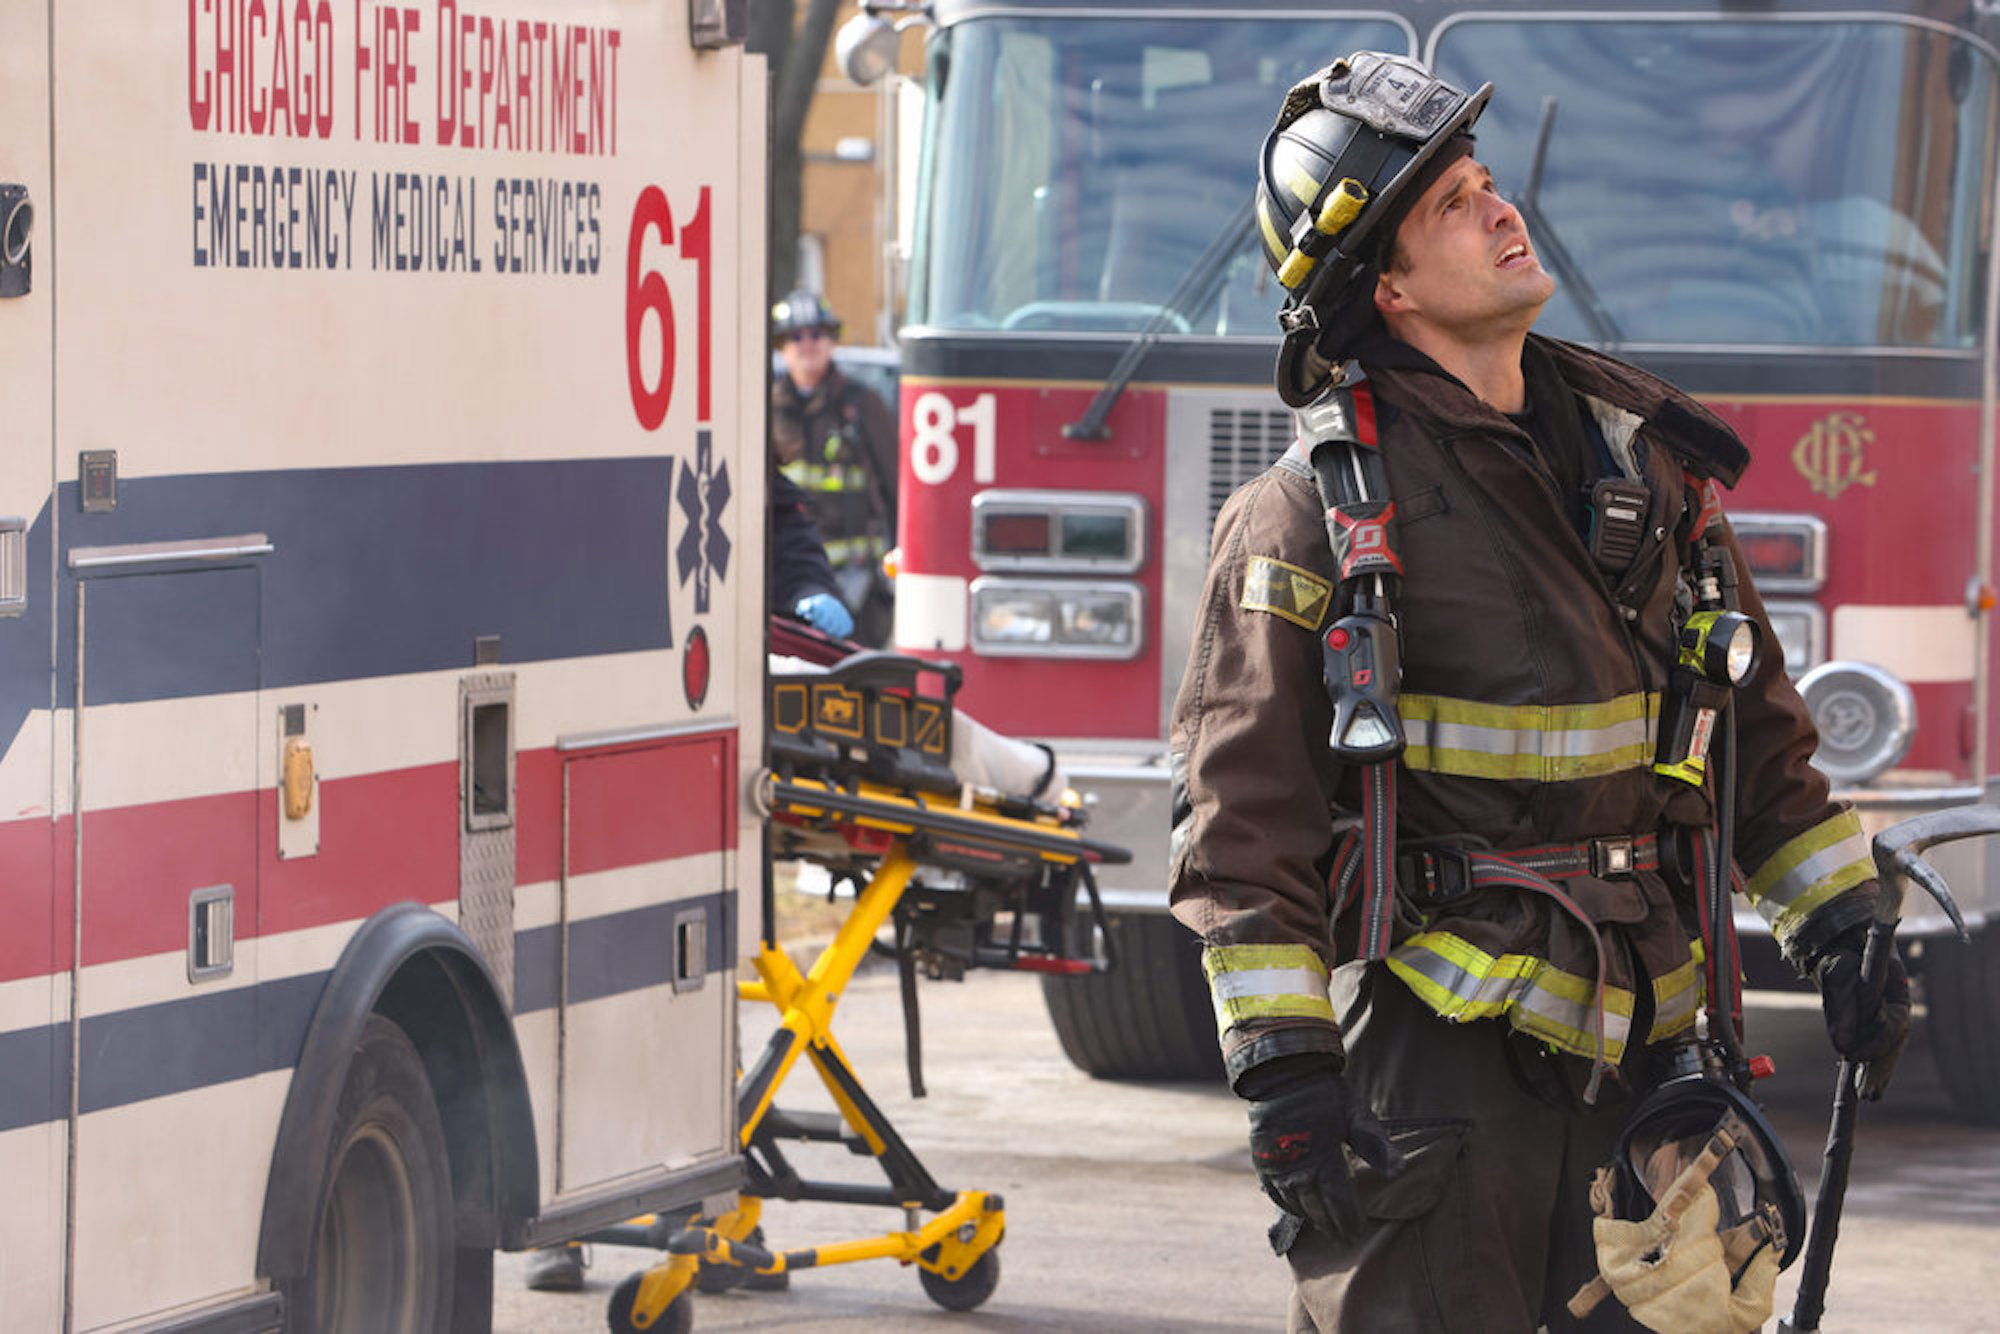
(868, 778)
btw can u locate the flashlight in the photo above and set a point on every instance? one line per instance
(1721, 645)
(1718, 652)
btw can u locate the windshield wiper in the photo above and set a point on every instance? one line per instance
(1196, 287)
(1551, 245)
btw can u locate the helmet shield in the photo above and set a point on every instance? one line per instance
(1353, 147)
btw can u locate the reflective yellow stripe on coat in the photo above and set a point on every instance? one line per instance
(1809, 870)
(1463, 982)
(1540, 743)
(1265, 982)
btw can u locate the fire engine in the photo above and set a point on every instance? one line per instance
(381, 644)
(1786, 208)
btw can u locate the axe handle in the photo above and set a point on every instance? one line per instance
(1810, 1303)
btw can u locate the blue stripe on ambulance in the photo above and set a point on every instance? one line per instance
(152, 1051)
(376, 571)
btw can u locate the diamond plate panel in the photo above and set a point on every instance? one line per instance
(486, 899)
(486, 841)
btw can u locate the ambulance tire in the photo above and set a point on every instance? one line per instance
(472, 1291)
(383, 1247)
(1149, 1016)
(1962, 989)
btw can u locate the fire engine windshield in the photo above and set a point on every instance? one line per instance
(1077, 168)
(1798, 182)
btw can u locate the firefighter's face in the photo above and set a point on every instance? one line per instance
(808, 353)
(1465, 268)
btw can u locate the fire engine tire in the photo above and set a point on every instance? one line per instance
(1149, 1016)
(969, 1289)
(383, 1247)
(1962, 988)
(678, 1318)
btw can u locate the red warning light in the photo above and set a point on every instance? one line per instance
(695, 667)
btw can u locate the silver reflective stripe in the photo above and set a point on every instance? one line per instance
(1542, 743)
(1521, 987)
(1498, 741)
(1803, 874)
(1265, 982)
(1268, 982)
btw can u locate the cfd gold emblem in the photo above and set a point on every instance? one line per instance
(1832, 454)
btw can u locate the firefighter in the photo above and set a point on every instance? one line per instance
(835, 438)
(1444, 978)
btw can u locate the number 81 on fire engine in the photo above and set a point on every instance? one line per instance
(934, 447)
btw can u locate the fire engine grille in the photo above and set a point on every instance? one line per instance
(1242, 442)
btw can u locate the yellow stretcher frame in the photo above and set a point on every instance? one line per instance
(955, 1251)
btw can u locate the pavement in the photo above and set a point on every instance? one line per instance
(1132, 1207)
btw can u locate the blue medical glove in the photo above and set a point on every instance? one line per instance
(824, 611)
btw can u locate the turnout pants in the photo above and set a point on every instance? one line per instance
(1487, 1228)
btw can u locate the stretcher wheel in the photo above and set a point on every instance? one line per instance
(678, 1318)
(969, 1289)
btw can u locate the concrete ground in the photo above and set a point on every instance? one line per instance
(1132, 1207)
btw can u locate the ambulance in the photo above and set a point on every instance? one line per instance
(381, 644)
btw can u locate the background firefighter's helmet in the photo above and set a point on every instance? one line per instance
(802, 309)
(1672, 1124)
(1350, 143)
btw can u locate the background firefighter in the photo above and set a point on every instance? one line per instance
(802, 581)
(1543, 926)
(837, 441)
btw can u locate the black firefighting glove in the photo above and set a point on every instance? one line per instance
(1302, 1122)
(1868, 1025)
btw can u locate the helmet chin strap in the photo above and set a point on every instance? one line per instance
(1305, 369)
(1304, 375)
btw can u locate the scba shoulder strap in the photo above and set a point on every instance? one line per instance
(1361, 651)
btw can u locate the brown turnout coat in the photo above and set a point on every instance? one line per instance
(1502, 606)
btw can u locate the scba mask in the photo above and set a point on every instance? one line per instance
(1697, 1212)
(1355, 145)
